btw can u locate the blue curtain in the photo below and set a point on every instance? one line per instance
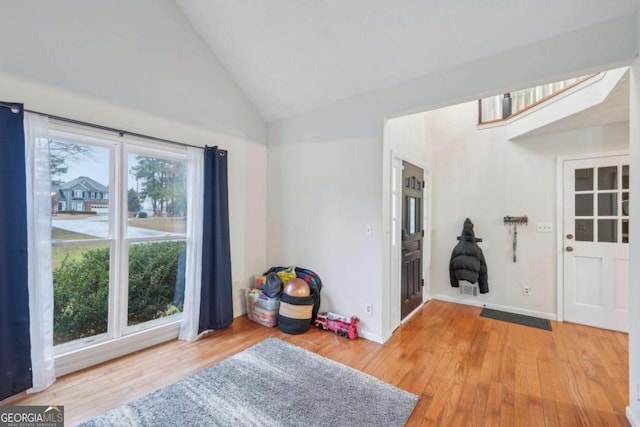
(15, 345)
(216, 303)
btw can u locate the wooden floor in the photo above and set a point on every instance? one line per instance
(466, 369)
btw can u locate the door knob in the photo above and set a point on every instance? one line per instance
(569, 236)
(569, 249)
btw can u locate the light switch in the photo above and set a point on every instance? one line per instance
(544, 227)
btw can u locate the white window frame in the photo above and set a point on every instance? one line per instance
(120, 339)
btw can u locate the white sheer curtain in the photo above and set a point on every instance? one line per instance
(39, 201)
(193, 271)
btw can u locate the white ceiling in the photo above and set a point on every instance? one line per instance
(291, 56)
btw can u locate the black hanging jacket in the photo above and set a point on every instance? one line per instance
(467, 260)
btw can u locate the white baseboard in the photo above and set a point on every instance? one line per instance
(480, 303)
(371, 337)
(633, 420)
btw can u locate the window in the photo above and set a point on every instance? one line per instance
(118, 269)
(601, 202)
(155, 242)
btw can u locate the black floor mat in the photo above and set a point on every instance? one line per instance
(534, 322)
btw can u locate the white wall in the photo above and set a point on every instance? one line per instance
(478, 173)
(140, 67)
(326, 195)
(338, 149)
(633, 410)
(140, 54)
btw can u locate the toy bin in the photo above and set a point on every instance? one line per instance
(295, 313)
(262, 309)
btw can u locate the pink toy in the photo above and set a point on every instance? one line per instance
(344, 326)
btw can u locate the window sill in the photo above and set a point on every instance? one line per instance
(107, 350)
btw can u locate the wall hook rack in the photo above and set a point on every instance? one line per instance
(515, 220)
(523, 220)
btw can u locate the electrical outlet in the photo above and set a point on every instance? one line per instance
(526, 291)
(368, 310)
(544, 227)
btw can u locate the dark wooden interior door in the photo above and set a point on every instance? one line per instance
(412, 238)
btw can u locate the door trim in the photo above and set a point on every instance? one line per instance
(560, 160)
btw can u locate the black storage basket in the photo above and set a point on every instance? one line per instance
(295, 313)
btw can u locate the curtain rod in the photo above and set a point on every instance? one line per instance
(16, 109)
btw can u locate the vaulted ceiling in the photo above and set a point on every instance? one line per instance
(292, 56)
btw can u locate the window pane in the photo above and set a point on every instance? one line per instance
(607, 204)
(625, 231)
(584, 205)
(79, 191)
(584, 230)
(625, 177)
(412, 215)
(584, 179)
(156, 280)
(80, 290)
(608, 178)
(156, 197)
(625, 203)
(607, 230)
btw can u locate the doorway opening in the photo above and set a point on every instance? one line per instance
(487, 171)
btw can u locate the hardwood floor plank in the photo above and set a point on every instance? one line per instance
(466, 370)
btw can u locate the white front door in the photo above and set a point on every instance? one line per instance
(596, 241)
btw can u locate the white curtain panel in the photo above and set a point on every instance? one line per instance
(39, 201)
(193, 270)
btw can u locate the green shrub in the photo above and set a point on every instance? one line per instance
(141, 214)
(81, 288)
(80, 296)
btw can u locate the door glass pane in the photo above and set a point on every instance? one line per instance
(625, 231)
(584, 205)
(625, 177)
(80, 290)
(412, 215)
(156, 280)
(607, 230)
(625, 203)
(584, 179)
(393, 206)
(156, 197)
(608, 178)
(584, 230)
(607, 204)
(394, 179)
(79, 191)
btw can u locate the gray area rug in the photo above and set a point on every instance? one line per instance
(520, 319)
(272, 383)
